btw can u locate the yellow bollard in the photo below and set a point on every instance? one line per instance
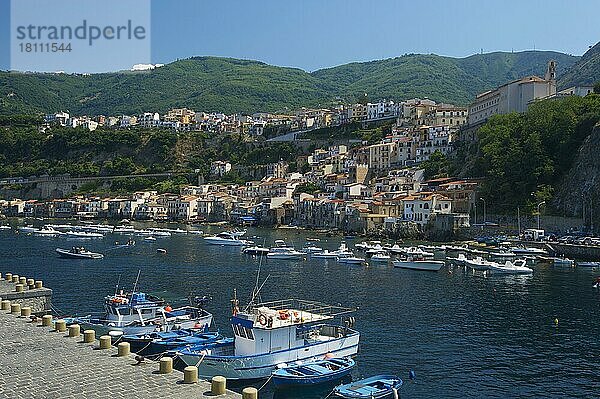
(250, 393)
(23, 280)
(123, 349)
(19, 288)
(190, 375)
(8, 277)
(60, 326)
(5, 305)
(38, 284)
(218, 385)
(47, 320)
(15, 278)
(26, 311)
(31, 283)
(15, 308)
(89, 336)
(105, 342)
(74, 330)
(166, 365)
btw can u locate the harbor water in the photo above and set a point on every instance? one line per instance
(464, 336)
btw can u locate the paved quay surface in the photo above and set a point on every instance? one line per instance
(36, 362)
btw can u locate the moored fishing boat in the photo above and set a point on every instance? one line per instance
(139, 313)
(312, 372)
(271, 333)
(375, 387)
(78, 253)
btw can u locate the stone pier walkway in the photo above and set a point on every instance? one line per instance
(36, 362)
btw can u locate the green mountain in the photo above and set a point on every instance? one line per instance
(232, 85)
(586, 71)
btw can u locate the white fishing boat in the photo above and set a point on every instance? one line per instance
(78, 253)
(284, 253)
(226, 238)
(381, 257)
(273, 333)
(516, 267)
(419, 264)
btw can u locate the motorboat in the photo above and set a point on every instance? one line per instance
(460, 259)
(5, 227)
(418, 252)
(395, 249)
(515, 267)
(311, 249)
(326, 254)
(351, 260)
(140, 313)
(26, 229)
(374, 251)
(256, 250)
(47, 231)
(381, 257)
(284, 253)
(226, 238)
(150, 238)
(478, 263)
(156, 343)
(365, 245)
(269, 334)
(563, 262)
(78, 253)
(83, 234)
(588, 264)
(312, 372)
(521, 251)
(124, 230)
(342, 251)
(418, 264)
(375, 387)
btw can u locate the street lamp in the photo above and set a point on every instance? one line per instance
(538, 212)
(484, 206)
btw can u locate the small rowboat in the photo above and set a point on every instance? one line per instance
(154, 344)
(378, 386)
(315, 372)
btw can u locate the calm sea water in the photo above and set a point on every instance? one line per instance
(464, 336)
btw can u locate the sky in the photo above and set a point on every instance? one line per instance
(313, 34)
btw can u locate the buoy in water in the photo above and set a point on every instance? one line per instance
(411, 375)
(556, 321)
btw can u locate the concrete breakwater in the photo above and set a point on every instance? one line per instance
(45, 358)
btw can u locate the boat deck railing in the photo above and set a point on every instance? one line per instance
(313, 307)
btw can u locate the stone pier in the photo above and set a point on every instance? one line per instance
(39, 299)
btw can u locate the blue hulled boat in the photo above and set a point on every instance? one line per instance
(378, 386)
(310, 373)
(158, 342)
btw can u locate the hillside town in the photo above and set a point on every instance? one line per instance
(353, 188)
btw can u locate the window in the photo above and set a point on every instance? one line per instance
(125, 311)
(146, 311)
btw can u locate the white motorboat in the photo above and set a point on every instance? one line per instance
(5, 227)
(273, 333)
(417, 252)
(419, 264)
(26, 229)
(284, 253)
(226, 238)
(150, 238)
(78, 253)
(395, 249)
(83, 234)
(256, 250)
(124, 230)
(588, 264)
(311, 249)
(47, 231)
(381, 257)
(563, 262)
(365, 245)
(197, 232)
(351, 260)
(502, 254)
(460, 259)
(516, 267)
(528, 251)
(342, 251)
(478, 263)
(326, 254)
(374, 251)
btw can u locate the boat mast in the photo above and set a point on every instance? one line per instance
(136, 281)
(234, 303)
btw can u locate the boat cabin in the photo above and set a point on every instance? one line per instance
(284, 325)
(125, 308)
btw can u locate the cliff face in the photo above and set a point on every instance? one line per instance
(581, 186)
